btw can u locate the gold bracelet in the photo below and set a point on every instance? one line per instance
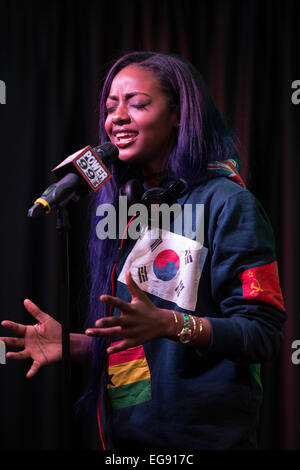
(195, 325)
(198, 333)
(193, 333)
(176, 321)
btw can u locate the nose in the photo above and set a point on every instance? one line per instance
(120, 114)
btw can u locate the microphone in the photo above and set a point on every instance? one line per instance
(81, 172)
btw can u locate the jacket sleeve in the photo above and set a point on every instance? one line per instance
(245, 283)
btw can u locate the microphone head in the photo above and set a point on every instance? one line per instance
(82, 171)
(107, 152)
(91, 164)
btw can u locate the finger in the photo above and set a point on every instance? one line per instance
(18, 356)
(35, 311)
(131, 284)
(116, 302)
(33, 369)
(16, 328)
(127, 343)
(14, 342)
(102, 332)
(110, 321)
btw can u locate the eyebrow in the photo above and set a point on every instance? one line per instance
(128, 95)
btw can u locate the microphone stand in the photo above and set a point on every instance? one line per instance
(63, 227)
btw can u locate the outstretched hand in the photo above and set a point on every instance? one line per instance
(140, 321)
(40, 342)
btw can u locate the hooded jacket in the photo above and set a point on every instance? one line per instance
(167, 395)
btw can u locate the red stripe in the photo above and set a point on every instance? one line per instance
(130, 354)
(232, 166)
(100, 428)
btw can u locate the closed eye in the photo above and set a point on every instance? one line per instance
(110, 109)
(139, 106)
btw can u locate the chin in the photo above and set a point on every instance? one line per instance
(128, 157)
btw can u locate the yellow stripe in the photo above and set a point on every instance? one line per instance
(44, 203)
(129, 372)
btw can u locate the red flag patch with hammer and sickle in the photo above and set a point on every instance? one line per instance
(262, 283)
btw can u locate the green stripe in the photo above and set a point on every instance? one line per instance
(130, 394)
(255, 372)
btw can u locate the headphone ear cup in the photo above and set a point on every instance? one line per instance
(134, 191)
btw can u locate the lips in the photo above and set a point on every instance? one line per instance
(124, 137)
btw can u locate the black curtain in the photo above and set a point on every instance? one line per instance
(53, 57)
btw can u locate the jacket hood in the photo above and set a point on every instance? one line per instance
(229, 168)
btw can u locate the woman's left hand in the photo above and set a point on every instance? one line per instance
(140, 321)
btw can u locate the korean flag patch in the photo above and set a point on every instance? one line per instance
(168, 266)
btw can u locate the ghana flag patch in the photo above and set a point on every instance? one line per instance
(129, 377)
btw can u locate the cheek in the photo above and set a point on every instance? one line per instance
(158, 123)
(107, 125)
(160, 130)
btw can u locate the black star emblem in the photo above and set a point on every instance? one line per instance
(110, 382)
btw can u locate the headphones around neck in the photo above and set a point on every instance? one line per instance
(135, 193)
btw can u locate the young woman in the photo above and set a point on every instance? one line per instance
(179, 324)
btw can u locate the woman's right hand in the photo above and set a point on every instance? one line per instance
(40, 342)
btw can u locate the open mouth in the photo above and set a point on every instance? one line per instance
(125, 137)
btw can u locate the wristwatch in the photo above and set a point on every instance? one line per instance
(185, 334)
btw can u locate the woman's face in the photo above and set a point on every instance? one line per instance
(138, 120)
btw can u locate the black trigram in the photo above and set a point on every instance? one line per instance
(142, 272)
(155, 244)
(188, 256)
(179, 288)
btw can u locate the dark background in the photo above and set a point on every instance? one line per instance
(53, 57)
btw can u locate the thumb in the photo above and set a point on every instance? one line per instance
(33, 370)
(35, 311)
